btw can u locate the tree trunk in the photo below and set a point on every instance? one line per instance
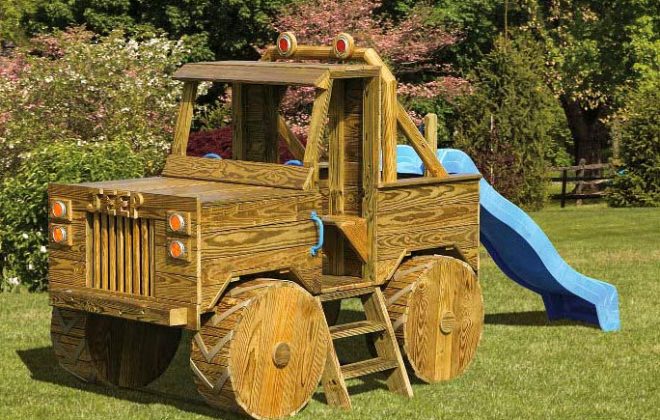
(590, 136)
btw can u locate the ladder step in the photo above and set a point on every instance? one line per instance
(355, 328)
(367, 367)
(357, 289)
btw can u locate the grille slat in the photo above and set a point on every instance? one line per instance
(122, 257)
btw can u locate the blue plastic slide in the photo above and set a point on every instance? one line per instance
(525, 254)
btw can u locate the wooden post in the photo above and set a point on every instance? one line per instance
(184, 119)
(579, 177)
(336, 147)
(418, 143)
(563, 187)
(316, 125)
(389, 110)
(370, 157)
(238, 121)
(431, 134)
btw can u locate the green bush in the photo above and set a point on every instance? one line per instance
(637, 129)
(77, 86)
(506, 123)
(23, 201)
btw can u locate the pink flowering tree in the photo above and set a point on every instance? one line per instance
(409, 46)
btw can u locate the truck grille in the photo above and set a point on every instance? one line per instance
(120, 255)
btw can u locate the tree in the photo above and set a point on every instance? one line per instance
(218, 28)
(505, 124)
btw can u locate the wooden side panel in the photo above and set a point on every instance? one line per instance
(239, 172)
(429, 216)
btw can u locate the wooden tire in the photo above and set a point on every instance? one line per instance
(129, 353)
(68, 332)
(437, 311)
(263, 351)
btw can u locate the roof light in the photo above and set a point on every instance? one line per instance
(287, 44)
(176, 249)
(343, 46)
(58, 209)
(58, 234)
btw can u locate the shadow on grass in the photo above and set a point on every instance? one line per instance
(175, 387)
(530, 318)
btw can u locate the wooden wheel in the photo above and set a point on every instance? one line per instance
(130, 353)
(68, 332)
(436, 308)
(263, 350)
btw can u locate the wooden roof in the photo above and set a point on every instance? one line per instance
(273, 73)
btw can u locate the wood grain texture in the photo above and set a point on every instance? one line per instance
(295, 146)
(436, 307)
(241, 172)
(431, 134)
(104, 303)
(233, 354)
(68, 333)
(336, 150)
(128, 353)
(184, 119)
(354, 230)
(265, 72)
(371, 172)
(417, 141)
(316, 126)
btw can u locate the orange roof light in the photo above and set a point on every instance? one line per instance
(176, 222)
(176, 249)
(287, 44)
(58, 209)
(58, 234)
(343, 46)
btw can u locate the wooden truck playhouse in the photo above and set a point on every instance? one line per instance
(247, 253)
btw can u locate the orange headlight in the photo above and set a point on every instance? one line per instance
(176, 249)
(58, 209)
(58, 234)
(176, 222)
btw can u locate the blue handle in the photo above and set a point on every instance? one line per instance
(212, 156)
(319, 225)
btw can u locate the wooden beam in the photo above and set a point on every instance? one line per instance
(355, 230)
(316, 125)
(389, 102)
(184, 119)
(296, 147)
(370, 174)
(336, 150)
(309, 52)
(238, 121)
(418, 142)
(431, 133)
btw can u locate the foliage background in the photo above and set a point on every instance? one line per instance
(521, 85)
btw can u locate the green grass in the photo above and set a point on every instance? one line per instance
(525, 367)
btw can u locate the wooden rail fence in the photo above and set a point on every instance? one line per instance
(589, 180)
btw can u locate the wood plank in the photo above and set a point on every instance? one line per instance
(418, 142)
(124, 307)
(316, 126)
(409, 182)
(367, 367)
(184, 119)
(259, 239)
(262, 212)
(239, 135)
(355, 328)
(354, 230)
(389, 110)
(431, 134)
(241, 172)
(370, 175)
(296, 147)
(391, 245)
(336, 146)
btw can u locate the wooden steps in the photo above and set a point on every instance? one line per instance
(356, 328)
(377, 324)
(350, 284)
(367, 367)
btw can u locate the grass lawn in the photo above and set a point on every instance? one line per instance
(524, 368)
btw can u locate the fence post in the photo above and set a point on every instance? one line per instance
(579, 176)
(564, 173)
